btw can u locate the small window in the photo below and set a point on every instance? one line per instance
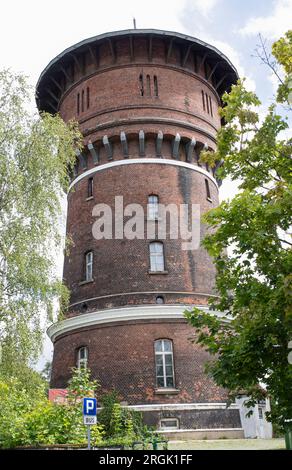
(153, 207)
(82, 357)
(208, 194)
(169, 423)
(87, 97)
(160, 300)
(156, 257)
(141, 82)
(164, 363)
(90, 188)
(155, 86)
(89, 266)
(210, 102)
(148, 82)
(261, 413)
(82, 101)
(78, 103)
(203, 100)
(207, 102)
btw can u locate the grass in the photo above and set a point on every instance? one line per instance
(228, 444)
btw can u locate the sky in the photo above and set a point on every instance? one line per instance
(33, 32)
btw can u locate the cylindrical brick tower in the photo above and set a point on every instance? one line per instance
(147, 104)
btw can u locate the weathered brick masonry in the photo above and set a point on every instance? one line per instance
(147, 104)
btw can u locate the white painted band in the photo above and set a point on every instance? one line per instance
(143, 312)
(135, 161)
(182, 406)
(174, 431)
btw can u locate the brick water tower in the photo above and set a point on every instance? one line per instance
(147, 104)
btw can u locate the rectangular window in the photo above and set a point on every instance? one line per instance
(89, 266)
(164, 363)
(156, 257)
(169, 423)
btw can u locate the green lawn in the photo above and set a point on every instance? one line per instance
(228, 444)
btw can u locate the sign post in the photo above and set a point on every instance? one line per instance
(89, 415)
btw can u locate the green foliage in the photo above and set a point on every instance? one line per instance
(27, 417)
(282, 50)
(121, 425)
(36, 155)
(254, 284)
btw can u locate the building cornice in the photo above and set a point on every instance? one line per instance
(143, 161)
(125, 314)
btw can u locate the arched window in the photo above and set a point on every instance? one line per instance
(89, 266)
(207, 102)
(82, 101)
(208, 194)
(155, 86)
(160, 299)
(87, 97)
(203, 100)
(82, 357)
(153, 207)
(156, 257)
(90, 187)
(78, 103)
(148, 83)
(141, 82)
(211, 110)
(164, 363)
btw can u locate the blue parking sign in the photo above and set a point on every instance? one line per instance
(89, 406)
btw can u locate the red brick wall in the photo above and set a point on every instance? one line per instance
(121, 266)
(121, 356)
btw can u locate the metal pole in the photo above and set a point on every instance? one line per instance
(88, 437)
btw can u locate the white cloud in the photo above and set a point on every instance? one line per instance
(273, 25)
(204, 7)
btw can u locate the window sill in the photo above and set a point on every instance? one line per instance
(157, 272)
(86, 282)
(157, 219)
(166, 391)
(89, 198)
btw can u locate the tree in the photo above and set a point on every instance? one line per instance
(254, 284)
(37, 152)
